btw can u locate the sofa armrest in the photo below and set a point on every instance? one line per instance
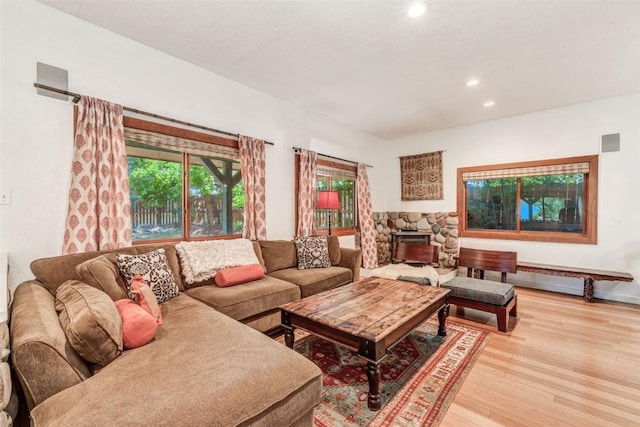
(351, 259)
(42, 357)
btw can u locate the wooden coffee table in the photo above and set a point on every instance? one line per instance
(367, 317)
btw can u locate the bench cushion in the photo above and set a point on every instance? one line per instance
(486, 291)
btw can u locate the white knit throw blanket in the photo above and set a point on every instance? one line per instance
(393, 271)
(201, 260)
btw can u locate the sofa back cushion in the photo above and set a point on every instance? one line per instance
(54, 271)
(90, 322)
(102, 273)
(334, 249)
(278, 254)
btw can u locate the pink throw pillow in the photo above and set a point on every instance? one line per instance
(144, 296)
(140, 317)
(138, 325)
(237, 275)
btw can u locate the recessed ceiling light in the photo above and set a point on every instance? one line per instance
(473, 82)
(489, 104)
(417, 9)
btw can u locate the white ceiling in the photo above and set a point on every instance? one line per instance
(367, 64)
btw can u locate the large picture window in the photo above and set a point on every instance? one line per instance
(183, 186)
(551, 200)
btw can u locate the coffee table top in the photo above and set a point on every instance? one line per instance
(371, 308)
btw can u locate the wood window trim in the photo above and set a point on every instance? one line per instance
(335, 231)
(590, 230)
(133, 123)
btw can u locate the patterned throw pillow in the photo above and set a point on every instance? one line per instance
(153, 268)
(312, 252)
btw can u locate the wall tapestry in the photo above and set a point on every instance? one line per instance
(421, 176)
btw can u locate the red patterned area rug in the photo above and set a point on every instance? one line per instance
(420, 377)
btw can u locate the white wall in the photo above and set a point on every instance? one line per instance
(36, 133)
(561, 132)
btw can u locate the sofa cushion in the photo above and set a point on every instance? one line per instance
(486, 291)
(312, 252)
(334, 249)
(102, 273)
(155, 270)
(237, 275)
(90, 321)
(278, 254)
(315, 280)
(247, 299)
(203, 368)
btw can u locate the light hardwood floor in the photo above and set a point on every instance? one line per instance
(563, 362)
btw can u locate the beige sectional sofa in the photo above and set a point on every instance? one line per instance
(205, 366)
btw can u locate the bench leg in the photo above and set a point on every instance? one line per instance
(514, 310)
(588, 289)
(503, 319)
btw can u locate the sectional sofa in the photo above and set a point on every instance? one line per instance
(209, 364)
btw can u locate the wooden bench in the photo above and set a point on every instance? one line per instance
(588, 275)
(485, 295)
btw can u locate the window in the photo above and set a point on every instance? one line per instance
(550, 200)
(183, 185)
(345, 217)
(338, 177)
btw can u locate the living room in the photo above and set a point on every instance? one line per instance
(37, 134)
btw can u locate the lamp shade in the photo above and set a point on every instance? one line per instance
(328, 200)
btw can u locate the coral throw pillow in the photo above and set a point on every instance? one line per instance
(237, 275)
(138, 325)
(144, 296)
(140, 317)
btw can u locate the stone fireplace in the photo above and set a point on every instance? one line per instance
(442, 228)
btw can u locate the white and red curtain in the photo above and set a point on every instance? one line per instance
(365, 219)
(252, 165)
(99, 212)
(307, 176)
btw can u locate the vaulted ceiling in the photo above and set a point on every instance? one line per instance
(369, 65)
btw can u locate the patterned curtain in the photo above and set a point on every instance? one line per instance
(365, 219)
(308, 168)
(99, 214)
(253, 176)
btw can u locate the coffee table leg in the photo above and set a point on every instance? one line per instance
(288, 337)
(373, 374)
(442, 320)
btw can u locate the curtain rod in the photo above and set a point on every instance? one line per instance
(76, 98)
(297, 150)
